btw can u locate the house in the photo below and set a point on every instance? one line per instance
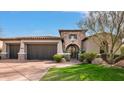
(44, 47)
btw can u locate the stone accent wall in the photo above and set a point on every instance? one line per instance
(67, 41)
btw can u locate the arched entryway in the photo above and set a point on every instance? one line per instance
(73, 50)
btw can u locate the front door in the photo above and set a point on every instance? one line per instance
(73, 50)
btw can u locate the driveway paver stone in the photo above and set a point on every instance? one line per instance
(33, 70)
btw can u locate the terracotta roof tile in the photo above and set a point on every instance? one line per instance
(73, 30)
(32, 37)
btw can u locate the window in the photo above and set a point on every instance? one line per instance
(72, 36)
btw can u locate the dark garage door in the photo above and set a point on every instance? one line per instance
(41, 51)
(13, 51)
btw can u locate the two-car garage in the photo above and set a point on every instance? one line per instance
(32, 48)
(34, 51)
(41, 51)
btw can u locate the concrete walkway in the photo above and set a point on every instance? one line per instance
(14, 70)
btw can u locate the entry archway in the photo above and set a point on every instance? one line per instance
(73, 50)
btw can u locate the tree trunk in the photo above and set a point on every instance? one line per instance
(110, 58)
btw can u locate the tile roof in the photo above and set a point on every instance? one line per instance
(32, 37)
(72, 30)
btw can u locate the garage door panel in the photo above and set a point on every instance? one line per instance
(13, 51)
(41, 51)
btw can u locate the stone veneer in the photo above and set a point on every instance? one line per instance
(65, 36)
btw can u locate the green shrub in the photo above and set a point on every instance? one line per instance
(122, 50)
(87, 57)
(90, 56)
(82, 58)
(58, 57)
(67, 56)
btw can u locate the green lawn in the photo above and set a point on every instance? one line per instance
(85, 72)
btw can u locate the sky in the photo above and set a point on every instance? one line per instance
(14, 24)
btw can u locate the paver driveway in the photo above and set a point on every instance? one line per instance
(27, 71)
(16, 70)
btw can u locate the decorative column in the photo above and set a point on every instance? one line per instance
(59, 48)
(22, 54)
(4, 53)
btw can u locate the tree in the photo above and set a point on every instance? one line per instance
(108, 29)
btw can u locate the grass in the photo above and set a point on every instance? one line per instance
(85, 72)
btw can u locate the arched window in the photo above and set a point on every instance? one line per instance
(72, 36)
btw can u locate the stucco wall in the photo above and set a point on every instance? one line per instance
(90, 46)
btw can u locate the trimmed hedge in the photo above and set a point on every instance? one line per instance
(58, 57)
(88, 57)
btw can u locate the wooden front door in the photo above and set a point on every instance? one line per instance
(73, 50)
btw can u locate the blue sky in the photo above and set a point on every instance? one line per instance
(37, 23)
